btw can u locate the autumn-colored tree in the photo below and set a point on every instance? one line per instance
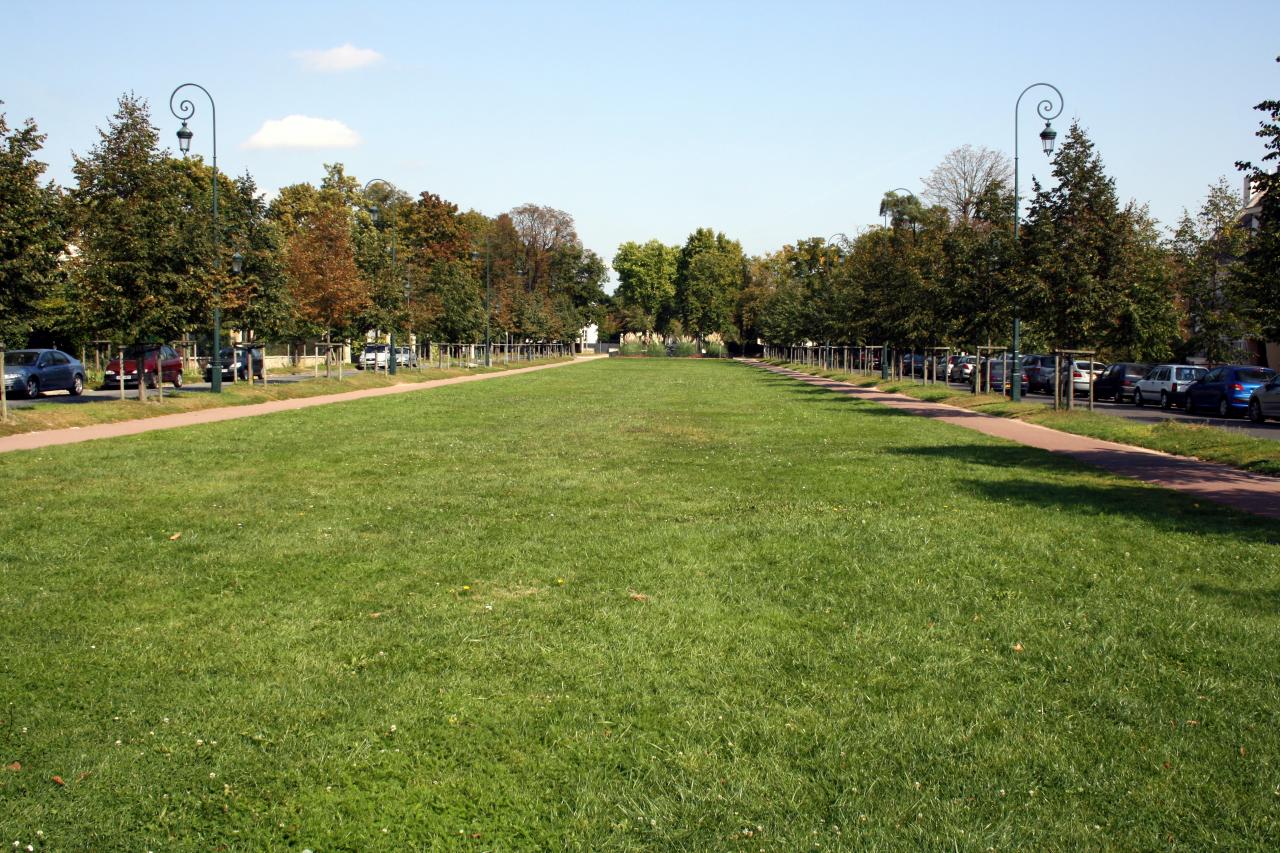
(325, 284)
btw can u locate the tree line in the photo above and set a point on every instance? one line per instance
(1085, 271)
(130, 253)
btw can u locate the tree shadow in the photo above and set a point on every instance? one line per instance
(1261, 602)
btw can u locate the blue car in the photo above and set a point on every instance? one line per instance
(31, 372)
(1226, 390)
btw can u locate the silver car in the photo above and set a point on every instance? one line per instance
(1264, 402)
(1167, 383)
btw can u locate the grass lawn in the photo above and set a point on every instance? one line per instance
(626, 605)
(47, 414)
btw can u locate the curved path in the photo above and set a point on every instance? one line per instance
(72, 435)
(1253, 493)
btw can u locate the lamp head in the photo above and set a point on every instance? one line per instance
(1047, 137)
(237, 263)
(475, 256)
(184, 138)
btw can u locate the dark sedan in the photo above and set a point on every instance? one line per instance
(31, 372)
(1118, 381)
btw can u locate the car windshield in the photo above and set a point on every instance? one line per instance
(21, 358)
(1137, 369)
(1187, 374)
(1259, 374)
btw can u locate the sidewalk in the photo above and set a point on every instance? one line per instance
(73, 435)
(1252, 493)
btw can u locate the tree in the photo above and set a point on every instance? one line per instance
(1072, 241)
(145, 270)
(646, 283)
(32, 233)
(709, 275)
(963, 176)
(323, 278)
(1203, 251)
(1258, 275)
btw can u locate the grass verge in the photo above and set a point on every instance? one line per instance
(47, 414)
(1199, 441)
(709, 609)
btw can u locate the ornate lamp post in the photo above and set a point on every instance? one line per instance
(488, 312)
(183, 111)
(1045, 110)
(377, 218)
(885, 209)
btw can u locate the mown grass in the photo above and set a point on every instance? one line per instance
(1199, 441)
(59, 415)
(629, 605)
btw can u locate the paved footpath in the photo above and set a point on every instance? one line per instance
(72, 435)
(1253, 493)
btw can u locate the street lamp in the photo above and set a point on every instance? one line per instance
(1045, 110)
(183, 111)
(488, 270)
(885, 210)
(376, 210)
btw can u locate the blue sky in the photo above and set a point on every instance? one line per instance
(768, 121)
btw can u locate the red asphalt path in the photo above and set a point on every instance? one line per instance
(72, 435)
(1252, 493)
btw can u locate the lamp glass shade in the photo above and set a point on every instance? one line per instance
(184, 138)
(1047, 137)
(237, 263)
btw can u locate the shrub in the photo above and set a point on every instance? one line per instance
(632, 348)
(656, 349)
(684, 349)
(715, 349)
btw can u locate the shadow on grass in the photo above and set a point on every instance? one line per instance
(1165, 510)
(1261, 602)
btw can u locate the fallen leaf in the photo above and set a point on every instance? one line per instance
(374, 615)
(1017, 647)
(85, 775)
(15, 766)
(175, 537)
(637, 596)
(57, 780)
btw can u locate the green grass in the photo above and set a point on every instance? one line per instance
(47, 414)
(1200, 441)
(788, 620)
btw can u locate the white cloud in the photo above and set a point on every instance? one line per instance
(345, 58)
(303, 132)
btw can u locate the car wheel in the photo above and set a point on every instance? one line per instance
(1255, 411)
(77, 386)
(177, 379)
(1137, 399)
(1224, 408)
(151, 380)
(33, 388)
(1164, 400)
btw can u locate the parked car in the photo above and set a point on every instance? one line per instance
(170, 366)
(406, 357)
(962, 371)
(1118, 380)
(1039, 370)
(233, 368)
(1166, 383)
(31, 372)
(374, 357)
(1264, 402)
(1227, 389)
(1081, 375)
(1001, 376)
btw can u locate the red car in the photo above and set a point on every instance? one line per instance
(170, 363)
